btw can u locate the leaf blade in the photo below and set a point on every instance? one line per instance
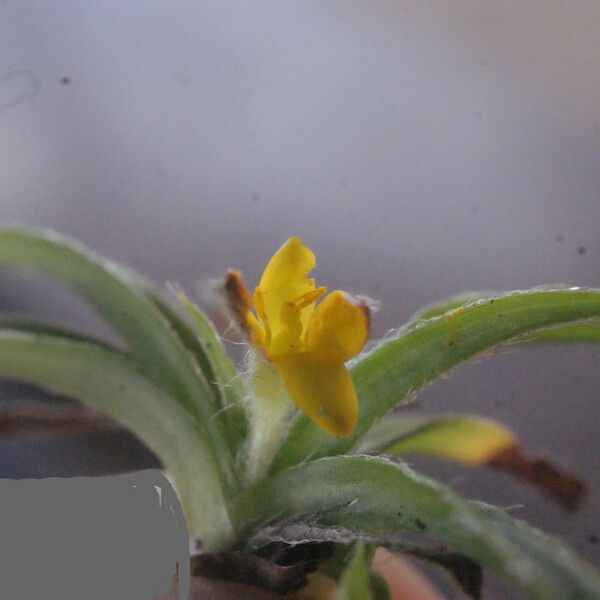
(425, 349)
(202, 341)
(465, 439)
(374, 496)
(472, 441)
(108, 381)
(588, 332)
(114, 295)
(223, 372)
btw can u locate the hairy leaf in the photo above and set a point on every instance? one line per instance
(375, 495)
(398, 368)
(116, 296)
(110, 382)
(464, 439)
(472, 441)
(222, 372)
(578, 333)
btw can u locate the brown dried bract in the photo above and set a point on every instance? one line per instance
(563, 486)
(238, 297)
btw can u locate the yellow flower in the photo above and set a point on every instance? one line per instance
(308, 344)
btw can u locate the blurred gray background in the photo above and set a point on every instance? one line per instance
(420, 148)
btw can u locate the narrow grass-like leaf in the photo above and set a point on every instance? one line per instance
(578, 333)
(465, 439)
(472, 441)
(112, 383)
(148, 335)
(375, 496)
(202, 341)
(425, 349)
(439, 308)
(223, 373)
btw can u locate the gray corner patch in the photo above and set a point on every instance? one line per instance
(117, 538)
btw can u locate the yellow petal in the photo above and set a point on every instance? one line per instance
(285, 297)
(292, 262)
(339, 326)
(288, 311)
(322, 389)
(256, 331)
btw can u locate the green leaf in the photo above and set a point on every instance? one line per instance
(439, 308)
(579, 333)
(114, 293)
(202, 341)
(376, 496)
(357, 581)
(110, 382)
(472, 441)
(588, 332)
(465, 439)
(221, 371)
(394, 371)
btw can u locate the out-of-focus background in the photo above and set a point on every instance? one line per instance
(420, 148)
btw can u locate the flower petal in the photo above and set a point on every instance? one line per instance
(292, 262)
(339, 326)
(288, 311)
(285, 297)
(322, 389)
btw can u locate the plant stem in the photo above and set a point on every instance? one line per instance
(270, 409)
